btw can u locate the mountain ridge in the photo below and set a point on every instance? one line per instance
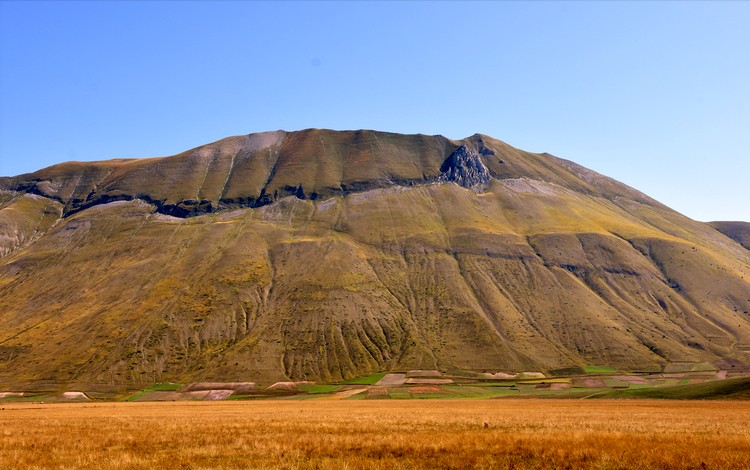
(112, 175)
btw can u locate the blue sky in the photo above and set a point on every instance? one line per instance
(656, 95)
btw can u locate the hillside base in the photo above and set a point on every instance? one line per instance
(678, 381)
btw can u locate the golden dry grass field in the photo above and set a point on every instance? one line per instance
(341, 434)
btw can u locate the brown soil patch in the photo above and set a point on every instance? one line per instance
(346, 393)
(424, 373)
(377, 392)
(559, 386)
(75, 396)
(392, 380)
(288, 386)
(218, 394)
(429, 381)
(499, 375)
(633, 379)
(588, 382)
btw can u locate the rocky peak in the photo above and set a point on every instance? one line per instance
(465, 167)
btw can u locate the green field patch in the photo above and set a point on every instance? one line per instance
(599, 369)
(164, 387)
(635, 386)
(319, 388)
(138, 395)
(371, 379)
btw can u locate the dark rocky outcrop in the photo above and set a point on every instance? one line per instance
(465, 168)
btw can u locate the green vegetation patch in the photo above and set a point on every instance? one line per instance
(371, 379)
(599, 369)
(319, 388)
(138, 395)
(164, 387)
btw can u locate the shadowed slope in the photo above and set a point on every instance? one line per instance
(737, 231)
(328, 255)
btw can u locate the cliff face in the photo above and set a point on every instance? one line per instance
(326, 255)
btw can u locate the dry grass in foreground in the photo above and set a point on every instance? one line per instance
(517, 434)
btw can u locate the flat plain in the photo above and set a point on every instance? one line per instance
(357, 434)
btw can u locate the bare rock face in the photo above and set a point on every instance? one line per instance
(465, 168)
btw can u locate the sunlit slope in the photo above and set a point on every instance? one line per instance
(389, 266)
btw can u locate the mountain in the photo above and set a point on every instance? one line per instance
(322, 255)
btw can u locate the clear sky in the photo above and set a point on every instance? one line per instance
(656, 95)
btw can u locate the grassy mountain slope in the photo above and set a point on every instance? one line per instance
(327, 255)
